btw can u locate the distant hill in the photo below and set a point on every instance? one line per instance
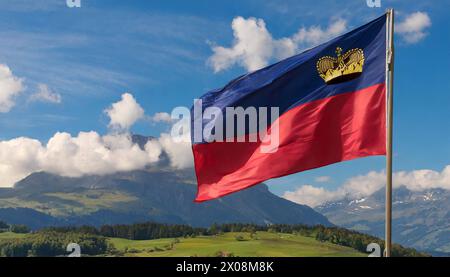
(160, 195)
(420, 219)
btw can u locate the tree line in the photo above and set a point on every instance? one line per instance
(15, 228)
(51, 244)
(137, 231)
(95, 236)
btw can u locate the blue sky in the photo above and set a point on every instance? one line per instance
(158, 51)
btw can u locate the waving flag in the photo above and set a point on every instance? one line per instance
(331, 107)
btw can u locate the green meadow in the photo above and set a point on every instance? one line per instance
(261, 244)
(11, 235)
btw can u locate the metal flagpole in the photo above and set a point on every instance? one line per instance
(390, 106)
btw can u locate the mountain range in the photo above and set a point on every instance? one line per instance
(420, 219)
(44, 199)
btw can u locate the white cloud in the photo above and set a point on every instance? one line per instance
(45, 94)
(254, 47)
(86, 154)
(179, 152)
(90, 153)
(162, 117)
(322, 179)
(177, 144)
(10, 87)
(315, 35)
(365, 185)
(125, 113)
(413, 27)
(309, 195)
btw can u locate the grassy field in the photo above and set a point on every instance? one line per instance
(11, 235)
(264, 244)
(64, 204)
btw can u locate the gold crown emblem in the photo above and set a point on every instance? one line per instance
(343, 68)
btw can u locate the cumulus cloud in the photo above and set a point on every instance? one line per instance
(254, 47)
(10, 87)
(413, 27)
(179, 152)
(307, 37)
(177, 144)
(162, 117)
(365, 185)
(45, 94)
(125, 113)
(309, 195)
(88, 153)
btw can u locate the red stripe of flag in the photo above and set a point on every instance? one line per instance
(322, 132)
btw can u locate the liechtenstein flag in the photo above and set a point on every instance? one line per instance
(323, 106)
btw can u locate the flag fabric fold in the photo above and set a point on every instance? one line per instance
(331, 105)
